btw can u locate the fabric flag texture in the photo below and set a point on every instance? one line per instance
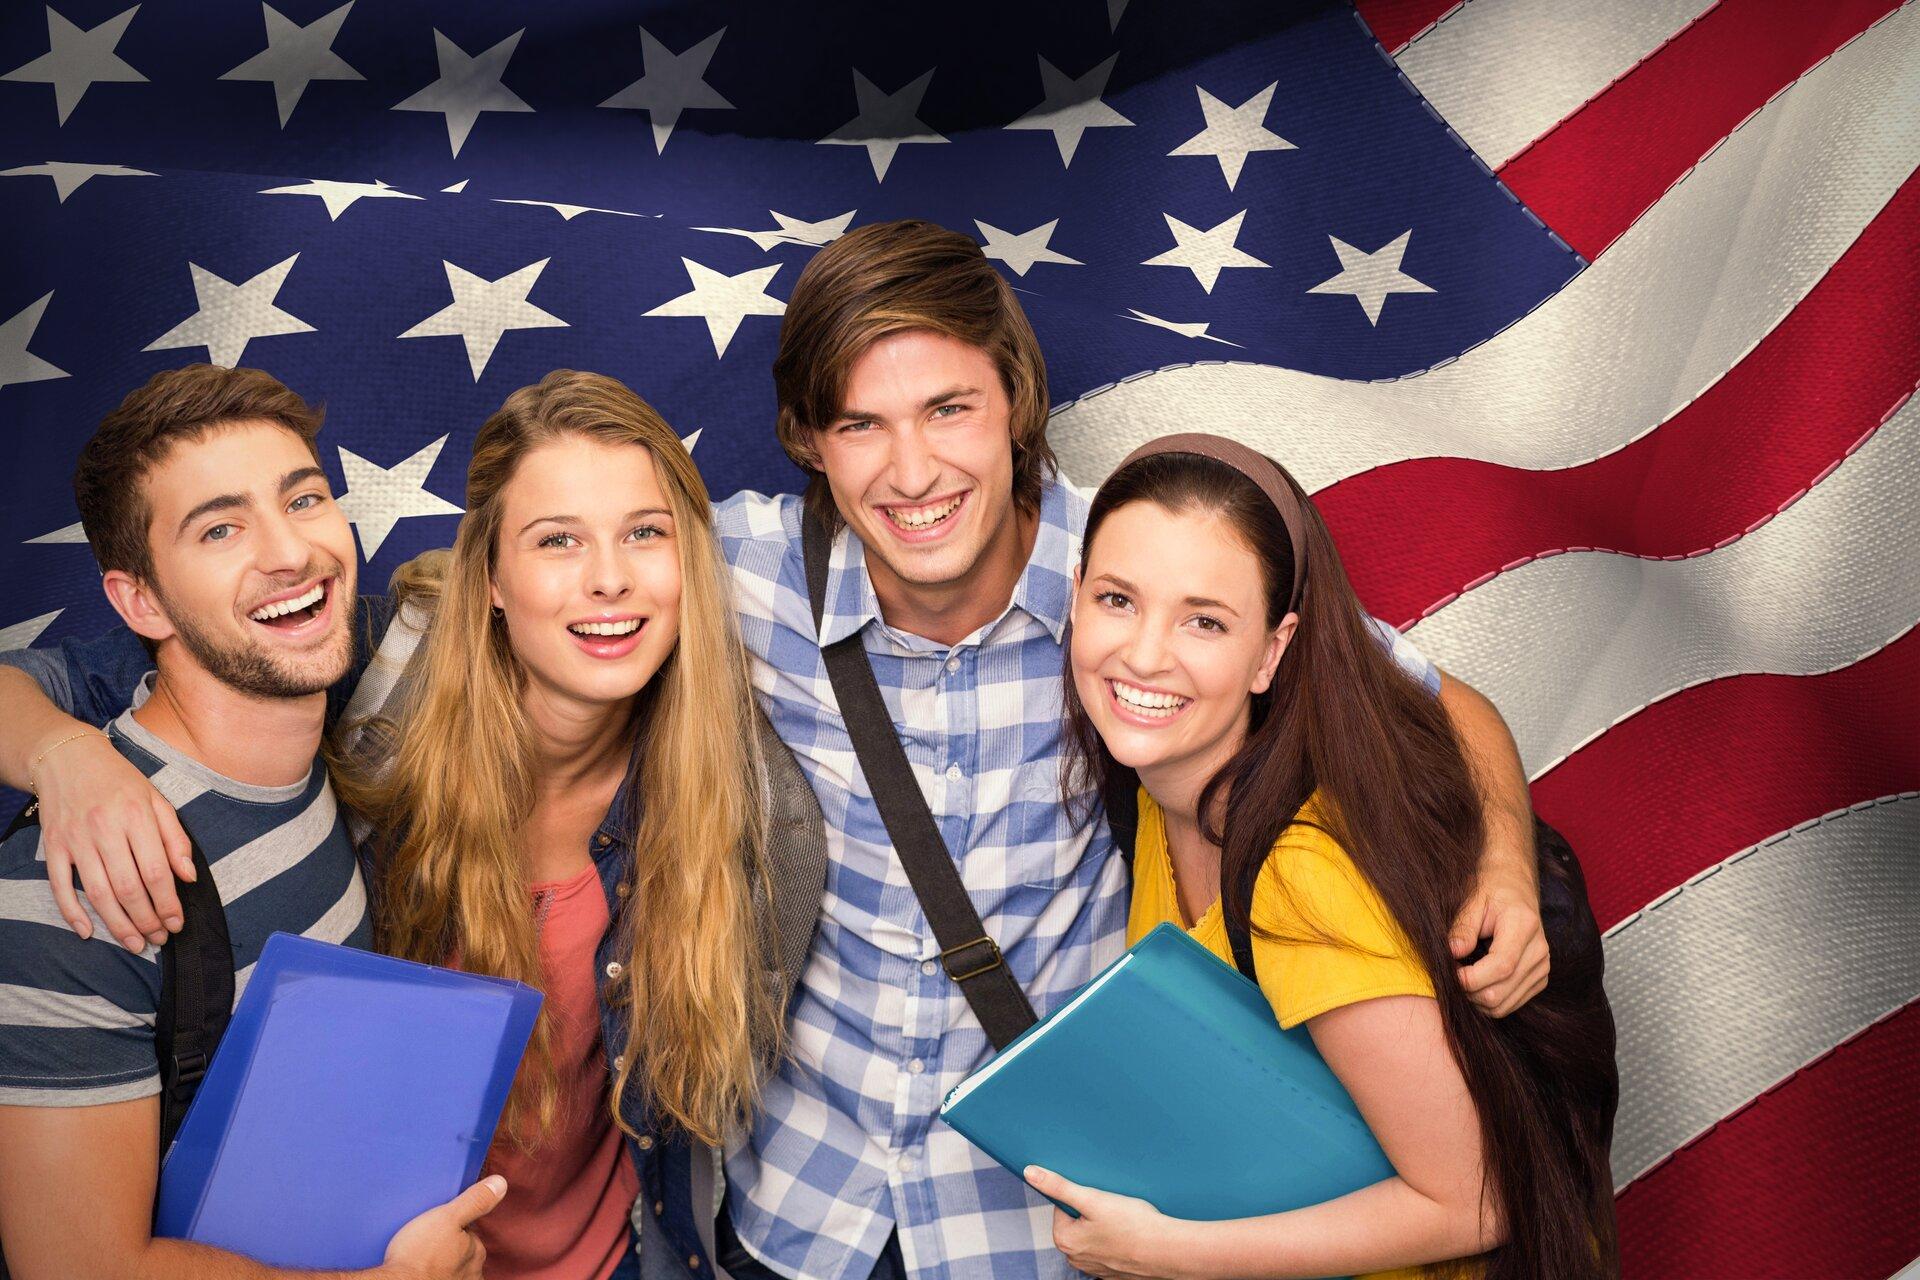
(1592, 326)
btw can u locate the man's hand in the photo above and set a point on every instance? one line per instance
(1514, 970)
(438, 1244)
(1505, 902)
(102, 819)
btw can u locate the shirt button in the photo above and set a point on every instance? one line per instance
(693, 1261)
(916, 1066)
(953, 773)
(907, 1164)
(613, 968)
(619, 1062)
(603, 839)
(929, 968)
(659, 1207)
(953, 664)
(646, 1142)
(622, 889)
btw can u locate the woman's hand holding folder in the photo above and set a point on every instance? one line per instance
(1115, 1237)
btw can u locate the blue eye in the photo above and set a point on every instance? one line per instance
(214, 534)
(648, 532)
(553, 539)
(304, 502)
(947, 410)
(848, 428)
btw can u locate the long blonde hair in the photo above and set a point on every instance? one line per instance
(455, 783)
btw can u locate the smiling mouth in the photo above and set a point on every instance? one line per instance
(606, 630)
(925, 518)
(1145, 703)
(296, 611)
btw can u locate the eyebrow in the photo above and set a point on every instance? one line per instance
(1198, 602)
(631, 515)
(241, 502)
(932, 401)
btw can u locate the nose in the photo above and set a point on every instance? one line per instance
(915, 469)
(609, 576)
(1146, 650)
(282, 547)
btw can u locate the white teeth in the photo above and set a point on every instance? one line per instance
(267, 612)
(922, 517)
(1156, 706)
(625, 628)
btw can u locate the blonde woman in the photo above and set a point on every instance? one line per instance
(557, 757)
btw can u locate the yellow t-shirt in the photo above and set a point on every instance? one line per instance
(1308, 888)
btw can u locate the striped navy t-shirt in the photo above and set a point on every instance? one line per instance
(77, 1014)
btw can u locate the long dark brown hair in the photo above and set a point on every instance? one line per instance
(1395, 790)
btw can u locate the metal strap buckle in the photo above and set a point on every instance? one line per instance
(993, 960)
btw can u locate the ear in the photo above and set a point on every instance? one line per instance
(1276, 645)
(1073, 599)
(137, 604)
(493, 593)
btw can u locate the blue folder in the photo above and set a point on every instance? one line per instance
(350, 1093)
(1167, 1078)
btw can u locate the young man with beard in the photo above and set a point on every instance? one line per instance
(221, 546)
(911, 387)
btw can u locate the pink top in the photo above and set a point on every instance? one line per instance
(565, 1216)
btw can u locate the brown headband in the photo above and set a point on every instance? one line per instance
(1255, 466)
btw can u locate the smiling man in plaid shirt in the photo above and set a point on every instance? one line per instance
(911, 386)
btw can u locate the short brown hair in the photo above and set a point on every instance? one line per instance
(884, 278)
(174, 406)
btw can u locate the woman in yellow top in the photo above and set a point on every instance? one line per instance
(1296, 785)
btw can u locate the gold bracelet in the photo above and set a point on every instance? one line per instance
(72, 737)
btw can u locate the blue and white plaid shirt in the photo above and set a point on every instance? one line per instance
(848, 1144)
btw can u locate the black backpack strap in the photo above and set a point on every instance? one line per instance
(196, 995)
(972, 959)
(1120, 793)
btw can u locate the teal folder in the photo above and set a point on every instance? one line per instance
(1167, 1078)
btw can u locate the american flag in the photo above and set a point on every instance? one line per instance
(1591, 323)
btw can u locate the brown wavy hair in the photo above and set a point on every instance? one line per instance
(886, 278)
(1397, 793)
(455, 780)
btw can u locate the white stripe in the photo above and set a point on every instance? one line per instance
(1659, 318)
(1569, 646)
(32, 1007)
(1753, 971)
(1910, 1272)
(273, 852)
(31, 901)
(377, 683)
(1503, 72)
(25, 1096)
(176, 785)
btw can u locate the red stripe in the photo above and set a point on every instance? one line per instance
(1698, 777)
(1818, 1178)
(1395, 22)
(1415, 533)
(1601, 167)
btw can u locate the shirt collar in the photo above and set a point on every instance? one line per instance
(1044, 589)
